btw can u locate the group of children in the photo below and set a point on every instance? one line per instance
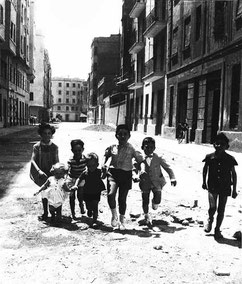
(122, 164)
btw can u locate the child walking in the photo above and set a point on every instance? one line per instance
(119, 174)
(45, 155)
(151, 177)
(76, 165)
(92, 185)
(55, 189)
(218, 176)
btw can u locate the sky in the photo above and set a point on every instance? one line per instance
(69, 28)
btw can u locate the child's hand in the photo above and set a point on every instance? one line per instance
(142, 172)
(204, 186)
(173, 182)
(234, 194)
(73, 188)
(104, 171)
(135, 177)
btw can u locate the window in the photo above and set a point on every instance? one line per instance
(73, 93)
(67, 85)
(198, 22)
(238, 19)
(171, 105)
(73, 85)
(59, 92)
(219, 20)
(72, 108)
(175, 41)
(67, 93)
(12, 32)
(31, 96)
(187, 32)
(1, 15)
(59, 100)
(235, 94)
(73, 101)
(67, 101)
(58, 108)
(67, 108)
(79, 86)
(239, 8)
(60, 84)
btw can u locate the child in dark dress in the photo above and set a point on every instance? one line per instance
(92, 184)
(218, 176)
(44, 156)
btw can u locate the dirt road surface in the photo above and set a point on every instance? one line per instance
(174, 250)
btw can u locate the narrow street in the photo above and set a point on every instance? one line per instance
(174, 250)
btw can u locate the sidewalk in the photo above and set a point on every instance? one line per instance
(14, 129)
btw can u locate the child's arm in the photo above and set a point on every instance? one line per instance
(234, 180)
(43, 187)
(205, 171)
(169, 170)
(41, 173)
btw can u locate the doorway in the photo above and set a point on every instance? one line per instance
(212, 108)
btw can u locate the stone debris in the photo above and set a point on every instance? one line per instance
(221, 272)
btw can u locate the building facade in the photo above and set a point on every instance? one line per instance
(40, 100)
(69, 99)
(105, 65)
(204, 69)
(16, 71)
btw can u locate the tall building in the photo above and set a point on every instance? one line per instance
(15, 69)
(40, 100)
(69, 98)
(204, 69)
(105, 65)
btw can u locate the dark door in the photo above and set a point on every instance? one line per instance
(212, 115)
(146, 112)
(159, 112)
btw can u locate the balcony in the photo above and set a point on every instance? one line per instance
(137, 42)
(155, 23)
(153, 72)
(136, 81)
(139, 6)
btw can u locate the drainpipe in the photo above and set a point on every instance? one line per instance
(165, 80)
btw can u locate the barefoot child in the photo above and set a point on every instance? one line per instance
(218, 176)
(92, 185)
(151, 177)
(55, 189)
(77, 165)
(119, 174)
(45, 155)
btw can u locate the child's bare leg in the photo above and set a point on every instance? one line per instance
(72, 205)
(221, 208)
(58, 213)
(212, 199)
(156, 199)
(145, 202)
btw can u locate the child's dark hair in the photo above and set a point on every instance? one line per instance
(147, 140)
(222, 137)
(44, 126)
(122, 126)
(92, 156)
(77, 142)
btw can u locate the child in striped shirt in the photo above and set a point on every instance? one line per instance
(76, 166)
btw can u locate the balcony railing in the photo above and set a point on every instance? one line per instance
(155, 22)
(137, 42)
(139, 6)
(153, 71)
